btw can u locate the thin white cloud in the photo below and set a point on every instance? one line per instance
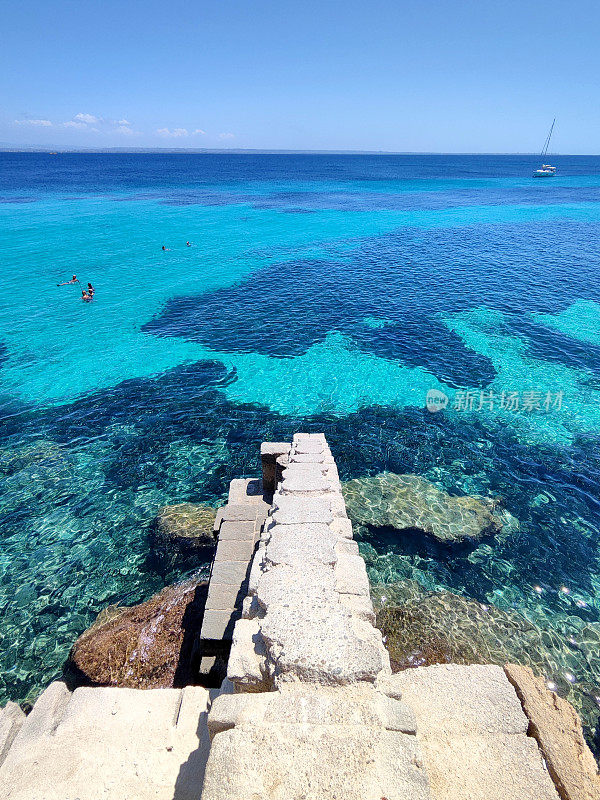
(73, 124)
(126, 131)
(227, 136)
(88, 119)
(45, 123)
(176, 132)
(200, 131)
(124, 122)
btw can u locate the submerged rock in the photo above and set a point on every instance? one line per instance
(148, 646)
(187, 526)
(409, 502)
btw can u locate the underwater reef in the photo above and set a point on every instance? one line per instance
(409, 502)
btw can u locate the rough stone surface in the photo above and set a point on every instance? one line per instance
(321, 762)
(499, 767)
(557, 728)
(110, 743)
(331, 646)
(290, 545)
(483, 701)
(245, 490)
(289, 510)
(187, 526)
(12, 718)
(408, 502)
(146, 646)
(472, 731)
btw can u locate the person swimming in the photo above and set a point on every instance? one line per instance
(90, 289)
(86, 296)
(74, 279)
(188, 244)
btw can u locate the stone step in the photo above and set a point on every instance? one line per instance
(110, 743)
(473, 734)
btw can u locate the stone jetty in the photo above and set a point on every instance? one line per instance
(307, 707)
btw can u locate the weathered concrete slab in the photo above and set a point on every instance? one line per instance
(237, 530)
(240, 512)
(498, 767)
(288, 762)
(294, 546)
(482, 699)
(111, 744)
(473, 734)
(289, 510)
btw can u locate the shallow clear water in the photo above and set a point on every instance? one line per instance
(320, 292)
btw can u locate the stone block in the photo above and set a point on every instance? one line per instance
(239, 512)
(308, 458)
(351, 575)
(246, 665)
(342, 527)
(338, 506)
(328, 647)
(222, 596)
(295, 546)
(347, 547)
(304, 483)
(499, 766)
(235, 550)
(452, 698)
(229, 710)
(217, 625)
(299, 592)
(289, 762)
(114, 744)
(237, 530)
(245, 491)
(359, 605)
(310, 446)
(390, 686)
(229, 572)
(397, 716)
(293, 510)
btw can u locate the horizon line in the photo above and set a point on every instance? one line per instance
(264, 151)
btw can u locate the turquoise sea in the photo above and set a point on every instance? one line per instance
(321, 292)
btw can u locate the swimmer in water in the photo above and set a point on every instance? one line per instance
(74, 279)
(90, 289)
(85, 296)
(188, 244)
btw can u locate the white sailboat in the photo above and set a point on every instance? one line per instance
(546, 170)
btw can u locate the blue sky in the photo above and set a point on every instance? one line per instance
(447, 76)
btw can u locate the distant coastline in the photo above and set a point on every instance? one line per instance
(241, 151)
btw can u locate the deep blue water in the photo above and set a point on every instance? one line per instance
(325, 292)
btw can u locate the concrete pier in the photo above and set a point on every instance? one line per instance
(309, 708)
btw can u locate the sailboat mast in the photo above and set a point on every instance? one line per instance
(547, 142)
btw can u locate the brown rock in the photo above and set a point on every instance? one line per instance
(557, 728)
(187, 526)
(148, 646)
